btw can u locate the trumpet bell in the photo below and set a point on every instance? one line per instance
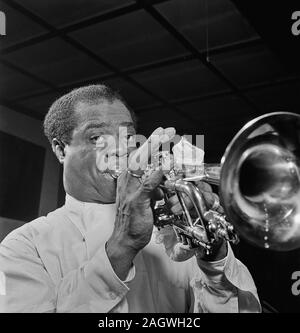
(260, 181)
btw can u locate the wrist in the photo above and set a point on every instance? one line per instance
(116, 249)
(120, 257)
(218, 252)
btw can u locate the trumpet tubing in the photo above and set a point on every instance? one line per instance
(259, 185)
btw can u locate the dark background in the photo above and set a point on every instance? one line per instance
(204, 67)
(22, 162)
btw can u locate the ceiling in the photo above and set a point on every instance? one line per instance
(198, 65)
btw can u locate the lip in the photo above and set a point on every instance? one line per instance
(112, 169)
(108, 176)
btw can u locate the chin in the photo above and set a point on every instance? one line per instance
(107, 190)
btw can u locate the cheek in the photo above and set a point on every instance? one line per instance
(81, 161)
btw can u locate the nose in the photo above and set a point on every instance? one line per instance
(120, 149)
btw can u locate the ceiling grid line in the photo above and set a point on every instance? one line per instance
(126, 74)
(94, 56)
(251, 88)
(191, 48)
(72, 27)
(143, 68)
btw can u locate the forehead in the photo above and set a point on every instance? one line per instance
(110, 113)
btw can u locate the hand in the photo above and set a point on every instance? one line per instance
(181, 248)
(209, 197)
(178, 249)
(134, 220)
(219, 248)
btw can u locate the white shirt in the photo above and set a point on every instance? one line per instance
(58, 263)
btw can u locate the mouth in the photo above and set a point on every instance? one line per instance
(112, 175)
(108, 176)
(112, 168)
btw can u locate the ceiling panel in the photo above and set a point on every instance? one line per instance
(219, 120)
(18, 27)
(13, 84)
(214, 112)
(250, 66)
(149, 120)
(40, 104)
(217, 19)
(284, 97)
(134, 96)
(181, 81)
(60, 13)
(130, 40)
(57, 62)
(137, 39)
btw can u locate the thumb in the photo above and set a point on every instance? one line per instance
(150, 184)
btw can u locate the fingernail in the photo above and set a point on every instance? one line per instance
(158, 131)
(170, 131)
(164, 138)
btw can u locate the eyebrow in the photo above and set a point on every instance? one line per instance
(94, 125)
(127, 124)
(103, 125)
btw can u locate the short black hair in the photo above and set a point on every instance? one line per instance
(60, 122)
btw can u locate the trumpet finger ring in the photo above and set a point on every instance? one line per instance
(216, 203)
(135, 174)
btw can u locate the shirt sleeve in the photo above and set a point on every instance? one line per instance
(224, 286)
(94, 285)
(26, 285)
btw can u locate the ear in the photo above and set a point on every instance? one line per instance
(58, 148)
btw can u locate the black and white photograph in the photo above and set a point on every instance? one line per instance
(149, 159)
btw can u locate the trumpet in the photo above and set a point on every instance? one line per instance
(203, 227)
(259, 189)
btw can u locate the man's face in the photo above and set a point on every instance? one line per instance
(96, 123)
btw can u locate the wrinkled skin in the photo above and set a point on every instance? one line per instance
(82, 178)
(84, 181)
(181, 249)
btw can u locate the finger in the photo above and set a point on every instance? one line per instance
(173, 200)
(169, 133)
(167, 162)
(176, 209)
(157, 194)
(150, 184)
(208, 195)
(183, 240)
(209, 199)
(175, 206)
(216, 202)
(185, 248)
(139, 159)
(203, 186)
(126, 182)
(220, 210)
(213, 202)
(189, 241)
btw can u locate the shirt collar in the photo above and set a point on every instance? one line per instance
(88, 215)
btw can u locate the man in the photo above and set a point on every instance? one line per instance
(98, 253)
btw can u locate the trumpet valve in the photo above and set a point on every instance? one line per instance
(212, 227)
